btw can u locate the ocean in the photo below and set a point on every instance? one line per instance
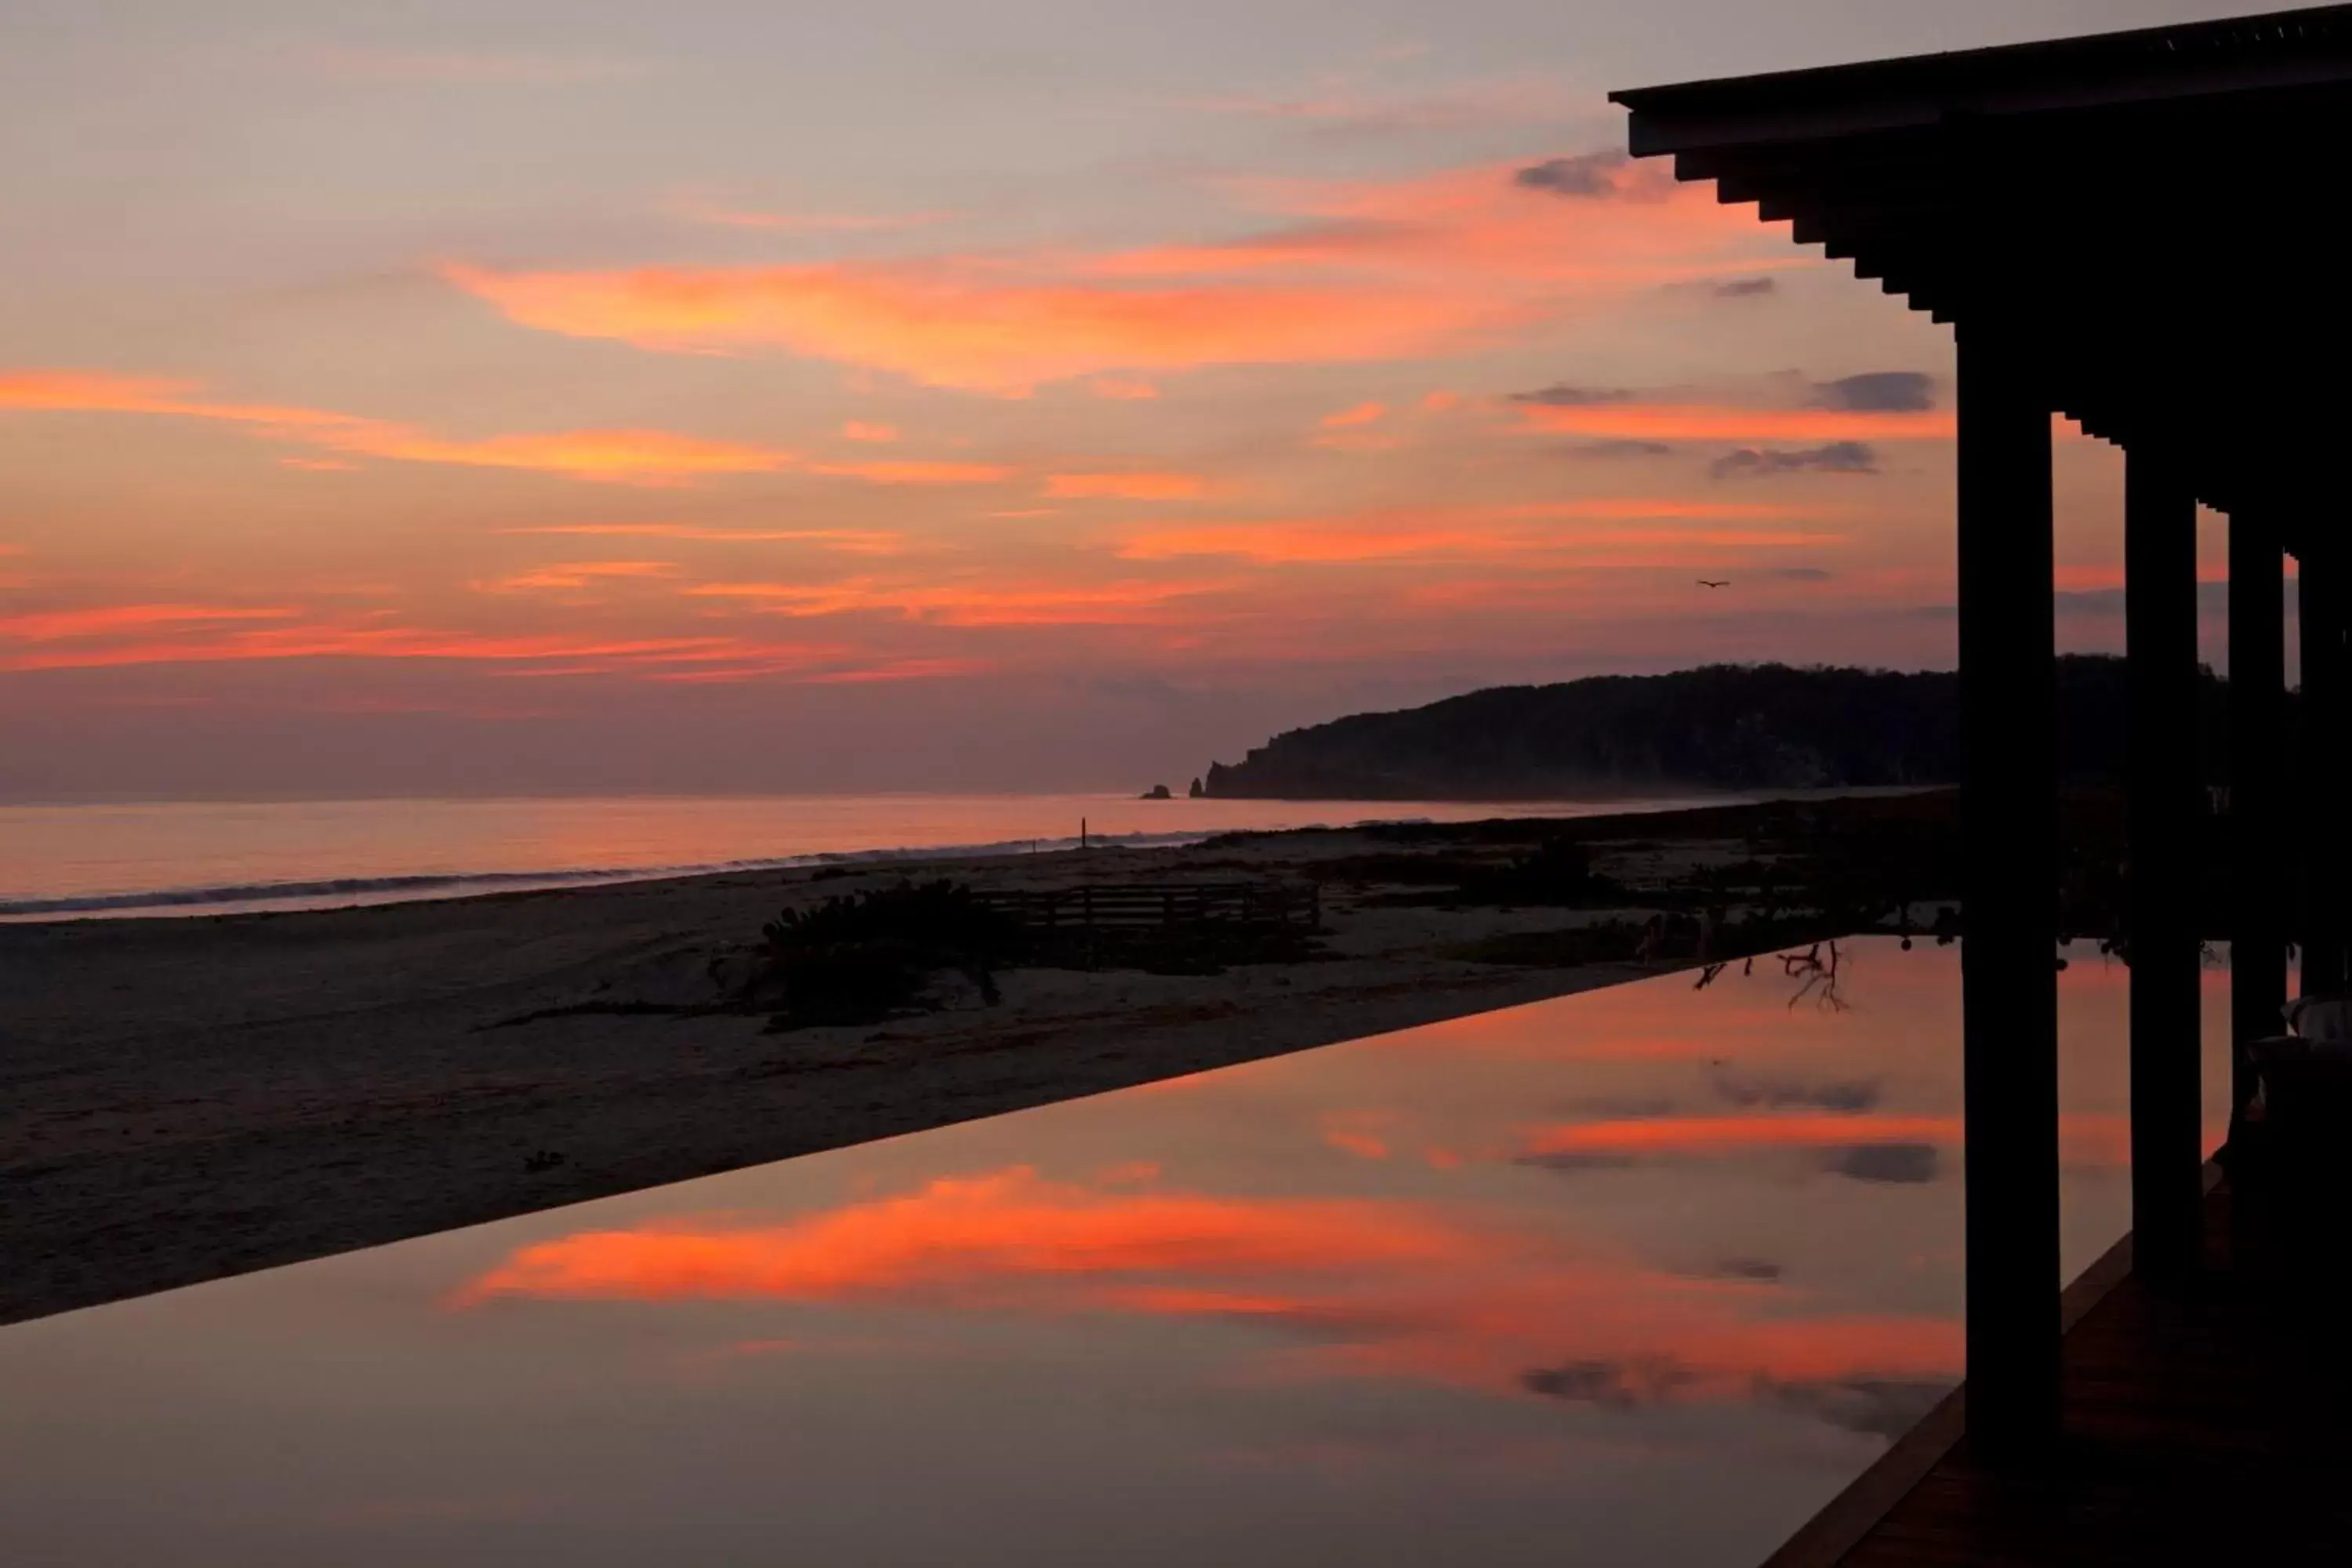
(194, 857)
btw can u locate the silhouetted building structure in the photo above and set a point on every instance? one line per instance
(2134, 230)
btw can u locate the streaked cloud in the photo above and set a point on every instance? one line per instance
(1883, 391)
(2087, 1138)
(963, 324)
(1591, 529)
(1596, 176)
(913, 471)
(955, 1232)
(611, 455)
(654, 457)
(127, 635)
(1335, 1288)
(848, 541)
(575, 574)
(1139, 485)
(1630, 421)
(1836, 457)
(999, 602)
(1370, 271)
(55, 625)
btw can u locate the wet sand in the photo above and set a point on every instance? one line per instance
(182, 1099)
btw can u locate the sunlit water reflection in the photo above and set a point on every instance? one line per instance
(1643, 1276)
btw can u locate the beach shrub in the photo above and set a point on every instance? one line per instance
(1556, 871)
(861, 958)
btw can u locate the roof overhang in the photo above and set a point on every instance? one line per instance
(2153, 212)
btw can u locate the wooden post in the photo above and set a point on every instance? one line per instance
(2262, 890)
(2165, 813)
(2321, 610)
(2009, 955)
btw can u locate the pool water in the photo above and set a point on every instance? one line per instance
(1640, 1276)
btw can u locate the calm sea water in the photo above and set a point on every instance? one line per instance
(202, 856)
(1640, 1277)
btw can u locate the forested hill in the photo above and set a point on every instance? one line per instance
(1731, 727)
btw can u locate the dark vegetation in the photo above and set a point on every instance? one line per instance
(1729, 727)
(866, 958)
(1722, 882)
(858, 959)
(1700, 887)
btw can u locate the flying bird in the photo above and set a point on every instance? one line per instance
(1711, 583)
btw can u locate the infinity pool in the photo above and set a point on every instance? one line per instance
(1641, 1276)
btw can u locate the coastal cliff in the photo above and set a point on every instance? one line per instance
(1727, 727)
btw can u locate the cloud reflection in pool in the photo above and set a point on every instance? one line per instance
(1637, 1276)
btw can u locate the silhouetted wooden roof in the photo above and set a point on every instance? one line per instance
(2154, 211)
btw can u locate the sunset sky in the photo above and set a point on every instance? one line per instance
(464, 398)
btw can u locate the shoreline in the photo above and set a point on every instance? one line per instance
(345, 888)
(185, 1099)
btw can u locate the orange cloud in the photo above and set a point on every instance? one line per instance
(645, 456)
(116, 637)
(1126, 487)
(615, 455)
(1680, 422)
(55, 626)
(580, 575)
(958, 1231)
(1363, 1133)
(1372, 1287)
(629, 456)
(849, 540)
(869, 430)
(1377, 271)
(967, 604)
(1361, 414)
(917, 473)
(2087, 1138)
(1471, 533)
(1710, 1134)
(964, 325)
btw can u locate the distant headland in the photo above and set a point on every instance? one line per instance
(1727, 727)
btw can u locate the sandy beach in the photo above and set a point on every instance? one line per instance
(186, 1099)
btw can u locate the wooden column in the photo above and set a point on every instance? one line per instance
(2165, 815)
(2008, 960)
(2321, 610)
(2262, 890)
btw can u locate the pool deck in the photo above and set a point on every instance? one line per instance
(2210, 1422)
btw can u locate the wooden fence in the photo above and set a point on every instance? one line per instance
(1145, 906)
